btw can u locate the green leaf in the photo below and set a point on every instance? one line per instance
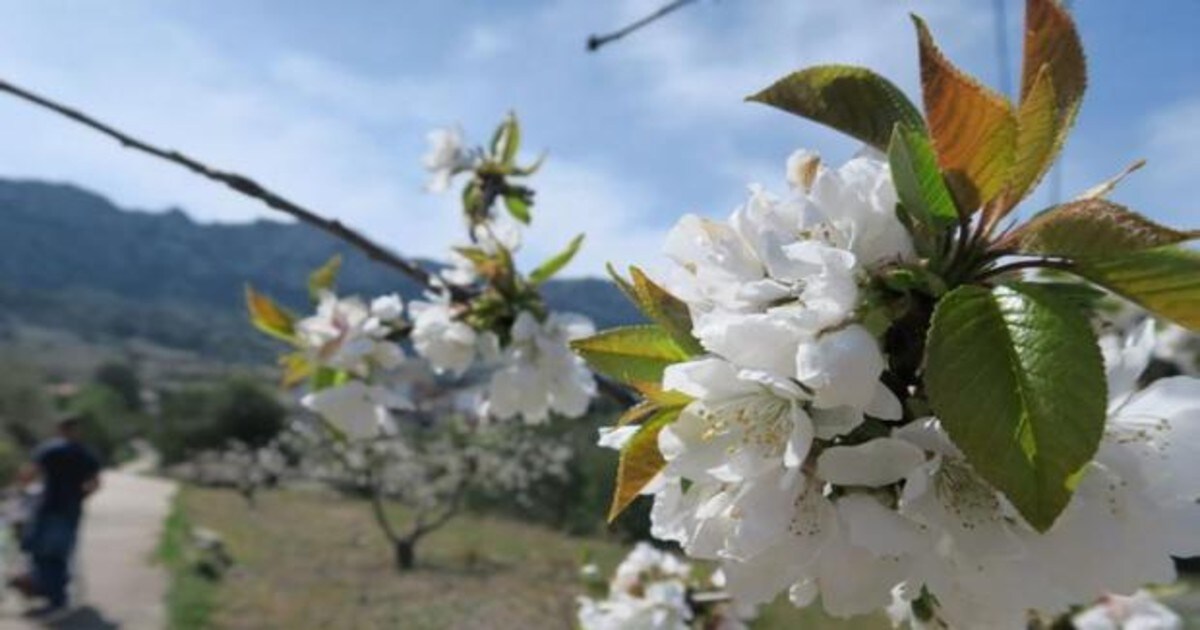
(1016, 377)
(512, 141)
(913, 278)
(472, 199)
(853, 100)
(474, 254)
(518, 206)
(634, 355)
(325, 378)
(525, 171)
(324, 278)
(1164, 280)
(1082, 295)
(547, 269)
(666, 310)
(1037, 144)
(1093, 227)
(623, 284)
(269, 317)
(496, 144)
(640, 460)
(918, 180)
(973, 128)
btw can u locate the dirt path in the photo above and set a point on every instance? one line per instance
(117, 585)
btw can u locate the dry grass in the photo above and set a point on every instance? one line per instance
(308, 560)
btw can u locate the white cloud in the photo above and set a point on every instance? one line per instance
(639, 133)
(1173, 143)
(298, 124)
(1165, 189)
(485, 41)
(577, 198)
(701, 61)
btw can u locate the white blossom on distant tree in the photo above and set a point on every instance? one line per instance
(654, 590)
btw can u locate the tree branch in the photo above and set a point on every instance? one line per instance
(377, 508)
(235, 181)
(594, 42)
(421, 527)
(250, 188)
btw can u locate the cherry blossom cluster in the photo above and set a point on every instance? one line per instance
(654, 590)
(534, 375)
(506, 331)
(354, 340)
(531, 376)
(801, 471)
(479, 319)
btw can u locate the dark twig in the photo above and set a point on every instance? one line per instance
(251, 188)
(377, 508)
(237, 182)
(594, 42)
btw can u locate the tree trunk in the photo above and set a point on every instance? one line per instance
(248, 493)
(406, 554)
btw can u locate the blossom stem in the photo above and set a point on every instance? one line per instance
(1040, 263)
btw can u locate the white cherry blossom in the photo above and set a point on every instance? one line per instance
(842, 368)
(1179, 347)
(359, 409)
(346, 334)
(1134, 508)
(795, 467)
(447, 157)
(650, 590)
(448, 343)
(538, 374)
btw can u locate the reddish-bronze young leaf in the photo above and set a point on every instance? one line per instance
(1093, 228)
(666, 310)
(974, 129)
(1052, 41)
(1037, 141)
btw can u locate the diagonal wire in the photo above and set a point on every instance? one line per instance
(1003, 68)
(1054, 189)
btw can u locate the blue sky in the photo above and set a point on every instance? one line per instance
(329, 102)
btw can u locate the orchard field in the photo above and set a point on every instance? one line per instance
(304, 559)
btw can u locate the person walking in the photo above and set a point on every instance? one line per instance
(69, 472)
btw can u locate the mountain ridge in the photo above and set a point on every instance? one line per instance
(71, 259)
